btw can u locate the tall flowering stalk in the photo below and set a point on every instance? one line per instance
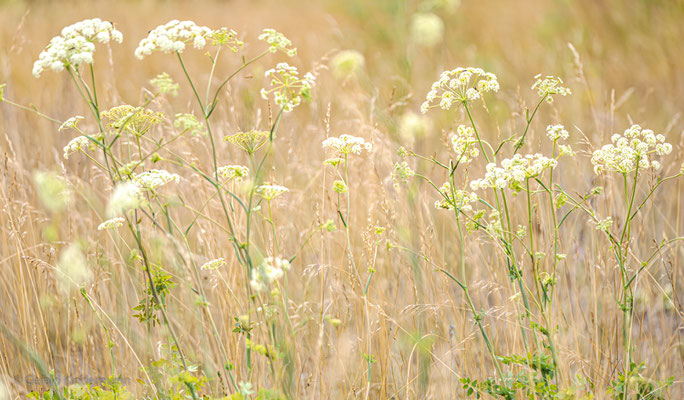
(505, 179)
(630, 155)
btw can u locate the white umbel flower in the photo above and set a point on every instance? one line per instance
(175, 35)
(214, 264)
(111, 224)
(459, 85)
(270, 192)
(75, 45)
(630, 151)
(278, 41)
(287, 88)
(513, 172)
(154, 178)
(347, 144)
(549, 86)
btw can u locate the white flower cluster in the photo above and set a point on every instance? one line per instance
(347, 144)
(268, 271)
(630, 150)
(79, 143)
(513, 172)
(278, 41)
(214, 264)
(549, 85)
(287, 88)
(152, 179)
(460, 199)
(555, 132)
(111, 224)
(75, 45)
(456, 86)
(71, 123)
(173, 36)
(463, 143)
(270, 192)
(230, 172)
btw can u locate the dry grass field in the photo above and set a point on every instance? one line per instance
(564, 282)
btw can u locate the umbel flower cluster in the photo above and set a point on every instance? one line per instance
(459, 199)
(459, 85)
(248, 141)
(77, 144)
(288, 88)
(233, 172)
(548, 86)
(513, 172)
(270, 192)
(463, 143)
(278, 41)
(154, 178)
(75, 45)
(346, 144)
(630, 151)
(130, 194)
(134, 120)
(173, 36)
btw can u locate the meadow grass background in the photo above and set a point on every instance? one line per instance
(626, 68)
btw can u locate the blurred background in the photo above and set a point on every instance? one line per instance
(623, 60)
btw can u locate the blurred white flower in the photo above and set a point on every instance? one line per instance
(427, 29)
(72, 269)
(268, 271)
(347, 63)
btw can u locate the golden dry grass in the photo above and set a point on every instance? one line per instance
(627, 69)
